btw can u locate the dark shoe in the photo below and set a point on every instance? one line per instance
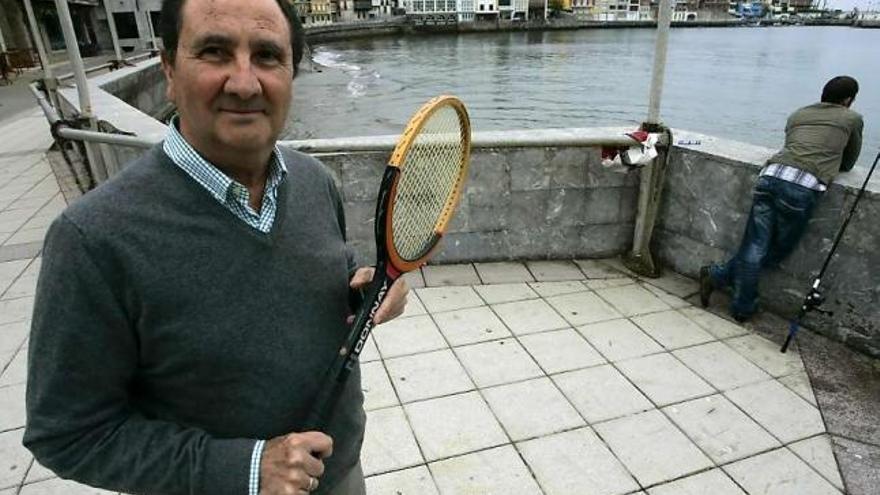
(706, 286)
(741, 318)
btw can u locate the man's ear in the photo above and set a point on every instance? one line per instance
(849, 101)
(168, 69)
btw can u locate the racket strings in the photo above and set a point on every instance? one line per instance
(429, 178)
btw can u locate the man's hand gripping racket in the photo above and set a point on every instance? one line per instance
(417, 198)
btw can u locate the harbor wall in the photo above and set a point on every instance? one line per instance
(561, 202)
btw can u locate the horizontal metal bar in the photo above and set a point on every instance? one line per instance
(106, 138)
(107, 65)
(489, 139)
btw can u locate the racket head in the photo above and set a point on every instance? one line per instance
(431, 158)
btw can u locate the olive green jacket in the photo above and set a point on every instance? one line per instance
(822, 139)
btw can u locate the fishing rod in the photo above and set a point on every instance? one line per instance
(814, 298)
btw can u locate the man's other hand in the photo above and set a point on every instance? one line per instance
(291, 462)
(395, 300)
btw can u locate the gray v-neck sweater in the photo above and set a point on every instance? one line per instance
(168, 336)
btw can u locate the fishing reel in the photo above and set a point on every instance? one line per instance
(813, 300)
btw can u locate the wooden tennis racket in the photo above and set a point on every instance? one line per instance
(417, 197)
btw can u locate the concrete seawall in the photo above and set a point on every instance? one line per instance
(406, 25)
(559, 202)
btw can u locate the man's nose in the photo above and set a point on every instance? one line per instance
(243, 81)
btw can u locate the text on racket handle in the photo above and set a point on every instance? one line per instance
(368, 325)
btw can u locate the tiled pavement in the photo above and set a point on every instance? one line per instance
(507, 378)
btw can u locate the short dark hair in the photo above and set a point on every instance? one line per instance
(840, 88)
(171, 22)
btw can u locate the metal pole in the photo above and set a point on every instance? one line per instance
(664, 20)
(76, 62)
(115, 37)
(38, 39)
(2, 43)
(152, 32)
(82, 84)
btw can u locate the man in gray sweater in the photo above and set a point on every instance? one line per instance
(187, 309)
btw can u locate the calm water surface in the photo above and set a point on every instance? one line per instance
(737, 83)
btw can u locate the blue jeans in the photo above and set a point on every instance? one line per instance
(779, 216)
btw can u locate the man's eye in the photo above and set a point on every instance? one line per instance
(268, 56)
(211, 52)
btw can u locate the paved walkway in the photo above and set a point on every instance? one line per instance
(506, 378)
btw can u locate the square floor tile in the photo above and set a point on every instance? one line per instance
(799, 383)
(561, 350)
(552, 271)
(498, 471)
(601, 393)
(550, 289)
(632, 300)
(652, 448)
(38, 472)
(12, 414)
(664, 379)
(369, 352)
(619, 339)
(412, 481)
(617, 264)
(16, 372)
(414, 307)
(14, 459)
(778, 473)
(720, 365)
(595, 269)
(15, 310)
(531, 316)
(532, 408)
(817, 452)
(472, 325)
(415, 279)
(766, 355)
(717, 326)
(576, 462)
(432, 374)
(501, 293)
(674, 283)
(607, 283)
(13, 334)
(721, 430)
(438, 299)
(779, 410)
(497, 362)
(582, 308)
(503, 273)
(672, 329)
(403, 336)
(389, 443)
(376, 385)
(714, 482)
(57, 485)
(451, 426)
(443, 275)
(673, 301)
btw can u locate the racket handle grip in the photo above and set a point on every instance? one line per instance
(324, 405)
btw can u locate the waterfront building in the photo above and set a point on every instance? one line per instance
(445, 11)
(135, 20)
(612, 10)
(747, 10)
(322, 12)
(137, 23)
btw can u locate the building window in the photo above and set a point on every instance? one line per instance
(126, 25)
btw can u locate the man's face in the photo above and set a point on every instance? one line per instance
(232, 76)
